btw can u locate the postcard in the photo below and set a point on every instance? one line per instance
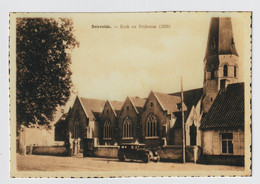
(130, 94)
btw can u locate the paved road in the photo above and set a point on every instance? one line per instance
(55, 163)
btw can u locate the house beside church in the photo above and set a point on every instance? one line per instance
(223, 127)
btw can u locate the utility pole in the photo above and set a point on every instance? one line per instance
(183, 127)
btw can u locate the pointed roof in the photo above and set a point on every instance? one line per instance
(138, 103)
(92, 107)
(190, 97)
(116, 106)
(220, 42)
(169, 102)
(227, 110)
(220, 38)
(178, 116)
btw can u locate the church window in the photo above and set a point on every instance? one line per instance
(127, 108)
(193, 135)
(227, 143)
(107, 130)
(212, 75)
(222, 84)
(225, 71)
(235, 71)
(76, 128)
(151, 104)
(152, 126)
(107, 111)
(127, 127)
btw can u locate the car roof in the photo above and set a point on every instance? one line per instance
(131, 144)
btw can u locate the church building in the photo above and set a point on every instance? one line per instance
(213, 115)
(223, 105)
(130, 120)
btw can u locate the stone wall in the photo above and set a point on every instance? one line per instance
(47, 150)
(38, 136)
(234, 160)
(105, 151)
(173, 153)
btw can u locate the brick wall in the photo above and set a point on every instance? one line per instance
(48, 150)
(173, 153)
(105, 151)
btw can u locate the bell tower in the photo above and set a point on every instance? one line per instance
(221, 60)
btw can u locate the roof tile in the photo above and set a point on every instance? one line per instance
(227, 110)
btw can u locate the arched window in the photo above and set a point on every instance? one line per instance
(76, 125)
(76, 128)
(225, 71)
(152, 126)
(127, 127)
(193, 135)
(212, 73)
(107, 130)
(235, 71)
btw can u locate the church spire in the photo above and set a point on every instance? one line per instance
(220, 38)
(221, 59)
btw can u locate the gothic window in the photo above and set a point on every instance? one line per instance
(151, 104)
(212, 75)
(127, 127)
(225, 71)
(227, 143)
(152, 126)
(193, 135)
(76, 128)
(107, 130)
(235, 71)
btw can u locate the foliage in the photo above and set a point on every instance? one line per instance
(43, 67)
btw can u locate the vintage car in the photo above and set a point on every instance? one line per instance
(134, 151)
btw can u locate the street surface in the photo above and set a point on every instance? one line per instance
(55, 163)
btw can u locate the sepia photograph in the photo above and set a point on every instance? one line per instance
(144, 94)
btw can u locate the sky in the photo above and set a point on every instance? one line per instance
(119, 62)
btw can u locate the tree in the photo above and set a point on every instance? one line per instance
(43, 67)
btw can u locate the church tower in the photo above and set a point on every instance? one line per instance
(221, 60)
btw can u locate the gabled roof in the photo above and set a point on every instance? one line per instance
(138, 103)
(92, 107)
(178, 116)
(190, 97)
(62, 119)
(227, 110)
(169, 103)
(116, 106)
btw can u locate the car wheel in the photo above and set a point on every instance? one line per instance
(146, 158)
